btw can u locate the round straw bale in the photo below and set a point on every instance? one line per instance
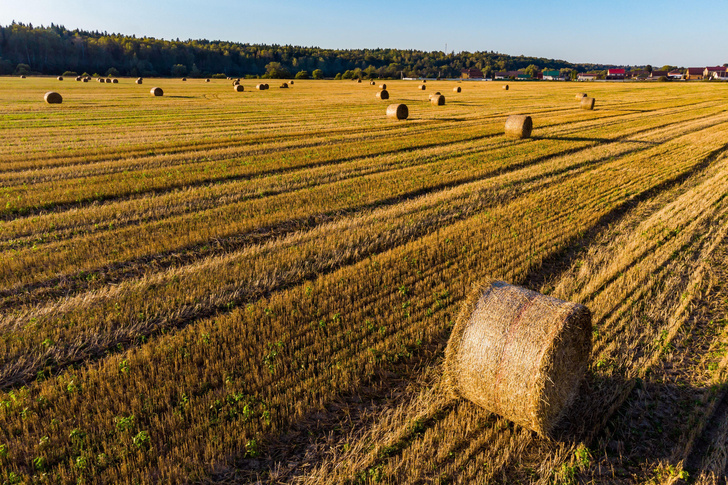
(207, 80)
(85, 79)
(579, 96)
(238, 88)
(60, 78)
(383, 94)
(397, 111)
(519, 126)
(422, 87)
(358, 81)
(115, 81)
(291, 82)
(505, 86)
(587, 103)
(78, 78)
(22, 76)
(266, 86)
(518, 353)
(424, 81)
(140, 81)
(108, 80)
(156, 92)
(457, 89)
(260, 87)
(437, 100)
(101, 80)
(52, 97)
(184, 79)
(372, 83)
(382, 86)
(284, 86)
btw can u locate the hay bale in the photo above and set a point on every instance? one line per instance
(22, 76)
(505, 86)
(184, 79)
(457, 89)
(140, 81)
(421, 87)
(579, 96)
(100, 80)
(238, 88)
(291, 82)
(437, 100)
(207, 80)
(60, 78)
(383, 94)
(260, 87)
(156, 92)
(358, 81)
(397, 111)
(78, 78)
(115, 81)
(382, 86)
(52, 97)
(587, 103)
(518, 353)
(283, 86)
(108, 80)
(266, 86)
(424, 81)
(519, 126)
(86, 79)
(372, 83)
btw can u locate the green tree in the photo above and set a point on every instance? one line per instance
(302, 75)
(532, 70)
(22, 69)
(275, 70)
(318, 74)
(179, 70)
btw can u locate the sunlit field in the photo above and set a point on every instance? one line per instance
(217, 286)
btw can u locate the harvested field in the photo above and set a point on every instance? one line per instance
(217, 288)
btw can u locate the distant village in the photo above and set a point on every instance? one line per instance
(718, 73)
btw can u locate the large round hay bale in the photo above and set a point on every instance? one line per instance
(22, 76)
(437, 100)
(108, 80)
(421, 87)
(424, 81)
(505, 86)
(260, 87)
(358, 81)
(156, 92)
(579, 96)
(372, 83)
(140, 81)
(283, 86)
(115, 81)
(383, 94)
(587, 103)
(86, 79)
(457, 89)
(207, 80)
(266, 86)
(382, 86)
(184, 79)
(100, 80)
(238, 88)
(518, 353)
(291, 82)
(60, 78)
(78, 78)
(52, 97)
(519, 126)
(397, 111)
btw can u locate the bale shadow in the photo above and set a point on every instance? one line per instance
(595, 140)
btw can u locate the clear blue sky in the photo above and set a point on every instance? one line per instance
(677, 32)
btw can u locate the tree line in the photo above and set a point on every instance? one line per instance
(53, 50)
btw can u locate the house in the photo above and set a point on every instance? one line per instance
(519, 75)
(694, 73)
(641, 74)
(472, 73)
(585, 76)
(675, 74)
(658, 74)
(718, 72)
(551, 75)
(615, 74)
(501, 75)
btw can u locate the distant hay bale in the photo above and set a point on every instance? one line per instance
(358, 81)
(78, 78)
(140, 81)
(266, 86)
(372, 83)
(115, 81)
(579, 96)
(60, 78)
(85, 79)
(156, 92)
(184, 79)
(587, 103)
(382, 86)
(505, 86)
(238, 88)
(424, 81)
(437, 100)
(421, 87)
(100, 80)
(22, 76)
(260, 87)
(283, 86)
(108, 80)
(291, 81)
(457, 89)
(518, 353)
(397, 111)
(519, 126)
(383, 94)
(52, 97)
(207, 80)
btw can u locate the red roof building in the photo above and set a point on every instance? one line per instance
(694, 73)
(472, 73)
(615, 73)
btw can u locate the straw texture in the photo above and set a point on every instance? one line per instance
(505, 86)
(52, 97)
(579, 96)
(437, 100)
(587, 103)
(397, 111)
(518, 353)
(156, 92)
(383, 94)
(519, 126)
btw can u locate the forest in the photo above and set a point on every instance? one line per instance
(54, 50)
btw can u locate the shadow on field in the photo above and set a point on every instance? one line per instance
(596, 140)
